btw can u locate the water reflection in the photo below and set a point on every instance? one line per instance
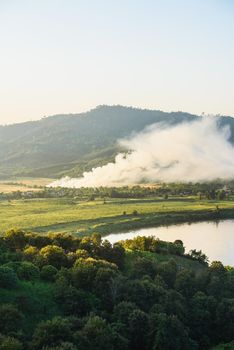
(215, 239)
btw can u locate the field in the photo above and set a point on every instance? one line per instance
(85, 217)
(23, 184)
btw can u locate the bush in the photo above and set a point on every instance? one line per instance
(10, 318)
(10, 343)
(30, 253)
(54, 255)
(48, 273)
(82, 253)
(51, 333)
(62, 346)
(15, 239)
(28, 271)
(8, 278)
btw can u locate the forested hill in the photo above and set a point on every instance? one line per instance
(70, 144)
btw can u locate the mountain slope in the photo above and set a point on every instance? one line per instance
(64, 144)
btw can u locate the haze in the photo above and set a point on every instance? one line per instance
(186, 152)
(69, 56)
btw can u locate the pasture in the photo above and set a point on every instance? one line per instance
(85, 217)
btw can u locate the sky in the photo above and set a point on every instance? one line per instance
(68, 56)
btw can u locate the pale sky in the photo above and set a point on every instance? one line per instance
(67, 56)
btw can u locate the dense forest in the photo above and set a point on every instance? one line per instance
(71, 144)
(62, 292)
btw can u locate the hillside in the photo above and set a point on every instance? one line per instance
(70, 144)
(65, 292)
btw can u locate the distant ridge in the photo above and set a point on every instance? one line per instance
(72, 143)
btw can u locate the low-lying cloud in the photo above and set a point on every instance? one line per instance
(194, 151)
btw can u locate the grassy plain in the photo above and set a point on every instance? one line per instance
(86, 217)
(23, 184)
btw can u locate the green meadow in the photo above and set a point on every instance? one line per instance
(115, 215)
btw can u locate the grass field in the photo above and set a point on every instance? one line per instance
(23, 184)
(81, 217)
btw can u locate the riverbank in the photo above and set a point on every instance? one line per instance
(167, 219)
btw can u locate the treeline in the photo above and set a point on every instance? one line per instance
(215, 190)
(64, 293)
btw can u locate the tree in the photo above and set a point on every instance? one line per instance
(138, 322)
(185, 283)
(85, 270)
(221, 194)
(8, 278)
(201, 319)
(82, 253)
(75, 301)
(51, 333)
(15, 239)
(10, 318)
(28, 271)
(103, 286)
(171, 334)
(48, 273)
(10, 343)
(225, 320)
(54, 255)
(143, 266)
(198, 255)
(122, 311)
(62, 346)
(168, 271)
(30, 253)
(97, 335)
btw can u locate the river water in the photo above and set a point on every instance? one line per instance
(215, 239)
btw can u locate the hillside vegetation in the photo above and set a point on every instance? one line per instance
(58, 292)
(71, 144)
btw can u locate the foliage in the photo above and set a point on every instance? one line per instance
(48, 273)
(64, 292)
(10, 343)
(8, 278)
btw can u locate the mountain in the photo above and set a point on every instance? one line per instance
(69, 144)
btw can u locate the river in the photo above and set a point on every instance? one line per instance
(215, 239)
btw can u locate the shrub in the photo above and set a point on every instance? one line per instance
(54, 255)
(10, 343)
(30, 253)
(28, 271)
(51, 333)
(48, 273)
(10, 318)
(15, 239)
(8, 278)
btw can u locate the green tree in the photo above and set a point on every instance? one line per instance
(28, 271)
(98, 335)
(10, 318)
(30, 253)
(54, 255)
(15, 239)
(52, 333)
(8, 277)
(171, 334)
(185, 283)
(168, 271)
(10, 343)
(48, 273)
(138, 322)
